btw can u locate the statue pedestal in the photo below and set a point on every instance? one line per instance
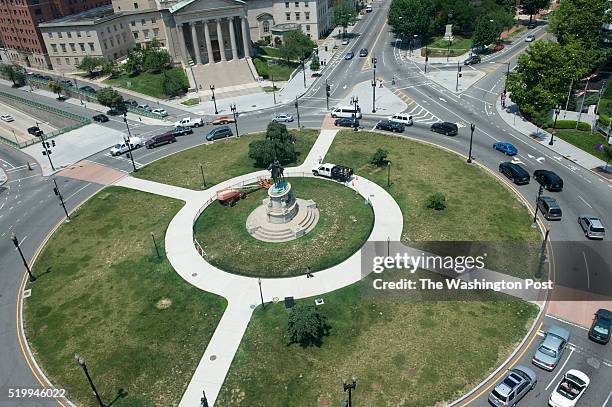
(281, 205)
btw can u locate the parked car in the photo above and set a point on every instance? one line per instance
(550, 208)
(550, 351)
(471, 60)
(530, 38)
(513, 387)
(570, 389)
(117, 111)
(531, 25)
(349, 55)
(131, 102)
(118, 149)
(346, 122)
(591, 226)
(550, 180)
(514, 172)
(157, 140)
(88, 89)
(160, 112)
(181, 131)
(282, 118)
(101, 118)
(144, 106)
(34, 130)
(363, 52)
(506, 148)
(389, 125)
(345, 41)
(333, 171)
(66, 82)
(189, 122)
(601, 326)
(446, 128)
(498, 47)
(219, 133)
(403, 118)
(7, 118)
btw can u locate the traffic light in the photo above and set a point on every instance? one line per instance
(52, 143)
(55, 191)
(328, 90)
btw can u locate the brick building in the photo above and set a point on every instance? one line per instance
(22, 42)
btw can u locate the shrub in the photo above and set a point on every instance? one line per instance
(262, 67)
(306, 326)
(379, 158)
(569, 124)
(436, 201)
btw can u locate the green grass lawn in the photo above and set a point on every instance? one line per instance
(146, 83)
(102, 292)
(584, 140)
(438, 47)
(478, 206)
(403, 352)
(280, 71)
(221, 160)
(344, 225)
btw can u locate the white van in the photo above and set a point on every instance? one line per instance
(346, 111)
(368, 8)
(403, 118)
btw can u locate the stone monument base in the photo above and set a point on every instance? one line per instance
(259, 224)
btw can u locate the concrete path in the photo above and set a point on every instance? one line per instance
(387, 102)
(241, 292)
(561, 148)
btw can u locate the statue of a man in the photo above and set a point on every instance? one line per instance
(276, 172)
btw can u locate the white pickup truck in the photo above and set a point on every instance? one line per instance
(118, 149)
(189, 122)
(333, 171)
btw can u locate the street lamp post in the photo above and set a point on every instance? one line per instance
(203, 178)
(426, 57)
(303, 70)
(349, 387)
(233, 109)
(81, 363)
(507, 74)
(46, 151)
(58, 193)
(388, 174)
(155, 244)
(297, 109)
(327, 93)
(535, 212)
(458, 76)
(25, 263)
(472, 127)
(196, 84)
(355, 102)
(212, 89)
(374, 60)
(450, 40)
(127, 142)
(554, 130)
(273, 88)
(261, 293)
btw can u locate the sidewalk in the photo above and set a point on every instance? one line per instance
(562, 148)
(3, 177)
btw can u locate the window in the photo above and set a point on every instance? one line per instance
(72, 47)
(50, 34)
(59, 35)
(133, 23)
(88, 33)
(79, 35)
(307, 15)
(63, 46)
(76, 61)
(112, 43)
(54, 46)
(67, 61)
(104, 44)
(120, 25)
(108, 29)
(82, 46)
(306, 3)
(146, 34)
(297, 4)
(115, 27)
(153, 20)
(288, 16)
(136, 5)
(286, 4)
(92, 47)
(58, 61)
(143, 21)
(307, 27)
(266, 26)
(135, 34)
(69, 34)
(297, 16)
(156, 32)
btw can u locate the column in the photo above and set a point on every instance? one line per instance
(181, 39)
(220, 41)
(196, 43)
(245, 38)
(233, 39)
(209, 50)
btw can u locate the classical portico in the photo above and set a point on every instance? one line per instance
(213, 39)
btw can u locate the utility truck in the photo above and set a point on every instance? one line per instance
(333, 171)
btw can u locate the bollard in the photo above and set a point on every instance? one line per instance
(29, 166)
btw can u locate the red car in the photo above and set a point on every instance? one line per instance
(498, 47)
(222, 120)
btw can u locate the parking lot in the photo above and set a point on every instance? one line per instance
(591, 358)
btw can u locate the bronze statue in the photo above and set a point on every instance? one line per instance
(276, 172)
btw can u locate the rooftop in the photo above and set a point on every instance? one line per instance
(87, 17)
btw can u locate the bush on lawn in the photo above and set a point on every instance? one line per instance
(436, 201)
(569, 124)
(261, 66)
(379, 158)
(306, 326)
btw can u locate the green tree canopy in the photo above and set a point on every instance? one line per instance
(278, 143)
(344, 13)
(55, 87)
(109, 97)
(14, 73)
(532, 7)
(262, 151)
(379, 158)
(133, 65)
(296, 45)
(411, 17)
(306, 326)
(90, 64)
(155, 60)
(175, 82)
(315, 64)
(110, 67)
(486, 32)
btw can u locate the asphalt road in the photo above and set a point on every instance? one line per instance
(30, 209)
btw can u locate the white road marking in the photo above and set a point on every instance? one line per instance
(605, 403)
(561, 369)
(583, 200)
(586, 263)
(77, 191)
(540, 159)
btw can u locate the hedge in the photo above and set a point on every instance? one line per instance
(569, 124)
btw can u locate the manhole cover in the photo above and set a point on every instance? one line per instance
(594, 362)
(194, 275)
(213, 357)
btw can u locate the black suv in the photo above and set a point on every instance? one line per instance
(34, 130)
(346, 122)
(474, 59)
(102, 118)
(363, 52)
(515, 172)
(390, 125)
(181, 131)
(446, 128)
(88, 89)
(548, 179)
(602, 324)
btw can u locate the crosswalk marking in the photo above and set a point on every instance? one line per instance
(418, 112)
(491, 68)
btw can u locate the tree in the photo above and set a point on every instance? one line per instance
(315, 64)
(90, 65)
(436, 201)
(14, 73)
(110, 67)
(109, 97)
(55, 87)
(344, 13)
(379, 158)
(296, 45)
(606, 149)
(411, 17)
(174, 82)
(532, 7)
(133, 64)
(278, 143)
(262, 152)
(306, 326)
(155, 60)
(485, 32)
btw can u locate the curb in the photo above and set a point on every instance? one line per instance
(3, 177)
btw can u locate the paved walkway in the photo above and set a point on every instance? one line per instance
(561, 148)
